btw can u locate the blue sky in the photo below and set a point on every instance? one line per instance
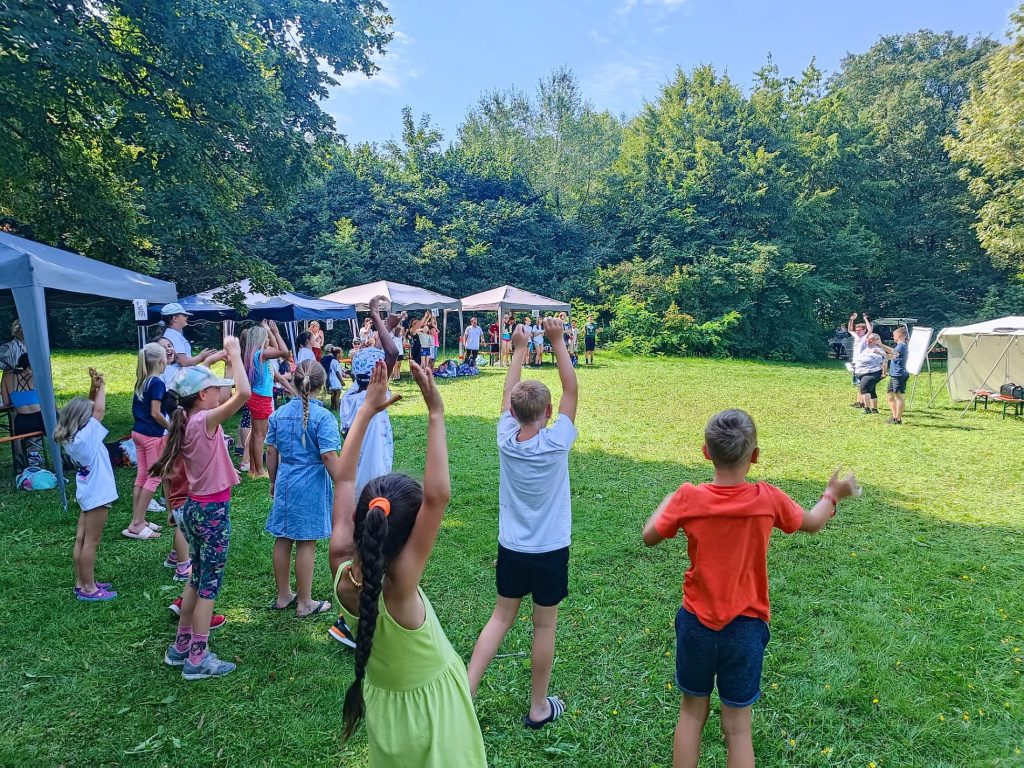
(447, 52)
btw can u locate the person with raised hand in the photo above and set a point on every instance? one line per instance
(534, 517)
(722, 626)
(410, 686)
(196, 438)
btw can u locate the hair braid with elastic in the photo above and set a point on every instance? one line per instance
(371, 557)
(309, 378)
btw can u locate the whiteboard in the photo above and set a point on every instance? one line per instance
(920, 339)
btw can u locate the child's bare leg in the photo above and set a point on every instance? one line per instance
(305, 560)
(95, 519)
(693, 713)
(138, 511)
(501, 621)
(897, 408)
(545, 620)
(258, 434)
(180, 546)
(739, 739)
(283, 571)
(76, 553)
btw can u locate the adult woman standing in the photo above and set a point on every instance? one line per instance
(366, 332)
(426, 338)
(19, 389)
(869, 369)
(317, 339)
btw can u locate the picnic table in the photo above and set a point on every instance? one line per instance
(985, 396)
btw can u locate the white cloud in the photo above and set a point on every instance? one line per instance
(626, 82)
(596, 36)
(395, 67)
(629, 5)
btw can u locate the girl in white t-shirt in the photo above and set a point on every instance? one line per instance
(81, 434)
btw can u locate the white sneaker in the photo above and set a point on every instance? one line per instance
(154, 506)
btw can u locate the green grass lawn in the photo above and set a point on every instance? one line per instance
(896, 633)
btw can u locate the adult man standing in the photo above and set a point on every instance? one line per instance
(860, 333)
(175, 319)
(471, 339)
(589, 340)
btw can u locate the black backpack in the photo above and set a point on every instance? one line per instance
(1016, 391)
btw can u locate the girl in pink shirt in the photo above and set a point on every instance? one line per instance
(197, 437)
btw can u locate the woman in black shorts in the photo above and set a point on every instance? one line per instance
(869, 369)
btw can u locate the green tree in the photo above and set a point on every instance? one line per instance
(989, 140)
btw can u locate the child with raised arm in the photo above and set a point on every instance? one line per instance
(197, 438)
(722, 626)
(410, 684)
(80, 433)
(534, 517)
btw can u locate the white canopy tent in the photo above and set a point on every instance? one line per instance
(984, 356)
(508, 297)
(401, 297)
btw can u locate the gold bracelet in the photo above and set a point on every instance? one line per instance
(356, 584)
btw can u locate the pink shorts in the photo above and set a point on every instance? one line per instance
(261, 406)
(147, 453)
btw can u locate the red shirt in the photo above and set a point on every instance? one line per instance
(727, 530)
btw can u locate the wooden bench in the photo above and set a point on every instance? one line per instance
(1016, 402)
(983, 395)
(12, 439)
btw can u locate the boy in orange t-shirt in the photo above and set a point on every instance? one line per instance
(722, 626)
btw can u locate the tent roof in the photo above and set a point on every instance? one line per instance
(510, 297)
(402, 297)
(1004, 326)
(72, 280)
(285, 307)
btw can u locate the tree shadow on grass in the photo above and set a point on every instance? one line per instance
(888, 603)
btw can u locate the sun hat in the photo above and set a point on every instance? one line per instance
(174, 308)
(364, 361)
(196, 378)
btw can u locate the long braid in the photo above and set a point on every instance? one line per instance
(309, 378)
(371, 556)
(175, 437)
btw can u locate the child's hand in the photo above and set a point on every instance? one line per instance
(96, 378)
(217, 357)
(844, 488)
(853, 315)
(519, 337)
(231, 345)
(554, 329)
(377, 392)
(428, 387)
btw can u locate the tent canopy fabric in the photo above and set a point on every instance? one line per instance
(401, 297)
(984, 355)
(510, 297)
(286, 307)
(40, 276)
(72, 280)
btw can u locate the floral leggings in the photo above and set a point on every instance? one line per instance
(207, 529)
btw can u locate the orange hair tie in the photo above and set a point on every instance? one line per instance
(383, 504)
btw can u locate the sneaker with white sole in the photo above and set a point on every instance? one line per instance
(183, 571)
(171, 561)
(154, 506)
(175, 658)
(210, 666)
(343, 633)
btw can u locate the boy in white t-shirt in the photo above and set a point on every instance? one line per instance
(534, 517)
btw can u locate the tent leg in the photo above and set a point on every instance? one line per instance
(444, 335)
(949, 374)
(31, 305)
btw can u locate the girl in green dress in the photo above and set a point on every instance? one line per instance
(411, 686)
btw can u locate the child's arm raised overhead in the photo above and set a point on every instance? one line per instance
(407, 568)
(98, 394)
(835, 491)
(276, 347)
(387, 343)
(217, 416)
(520, 342)
(553, 329)
(342, 468)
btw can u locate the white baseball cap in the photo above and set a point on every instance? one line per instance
(174, 308)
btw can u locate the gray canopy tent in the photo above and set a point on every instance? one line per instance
(508, 297)
(39, 277)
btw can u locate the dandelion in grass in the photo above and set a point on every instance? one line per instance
(827, 751)
(874, 700)
(872, 764)
(942, 718)
(792, 742)
(966, 717)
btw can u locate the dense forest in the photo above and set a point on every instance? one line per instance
(189, 143)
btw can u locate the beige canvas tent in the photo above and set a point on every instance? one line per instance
(984, 356)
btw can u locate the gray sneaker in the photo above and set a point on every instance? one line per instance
(210, 666)
(175, 658)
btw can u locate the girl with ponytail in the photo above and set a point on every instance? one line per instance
(148, 435)
(410, 686)
(260, 344)
(302, 456)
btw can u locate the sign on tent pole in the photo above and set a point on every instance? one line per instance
(141, 309)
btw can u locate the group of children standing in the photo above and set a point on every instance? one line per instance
(411, 688)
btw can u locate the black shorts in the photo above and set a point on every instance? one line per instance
(868, 382)
(898, 384)
(545, 575)
(589, 344)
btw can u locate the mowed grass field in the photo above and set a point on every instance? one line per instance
(896, 633)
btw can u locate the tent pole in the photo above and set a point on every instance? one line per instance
(927, 362)
(949, 374)
(993, 368)
(30, 302)
(444, 334)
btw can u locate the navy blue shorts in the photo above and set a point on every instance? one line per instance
(734, 655)
(545, 575)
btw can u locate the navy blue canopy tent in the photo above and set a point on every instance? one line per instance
(288, 307)
(36, 277)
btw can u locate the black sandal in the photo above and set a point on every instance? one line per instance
(557, 708)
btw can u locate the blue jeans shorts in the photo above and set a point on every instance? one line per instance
(734, 655)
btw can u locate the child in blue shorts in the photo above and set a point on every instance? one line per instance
(722, 626)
